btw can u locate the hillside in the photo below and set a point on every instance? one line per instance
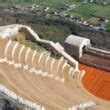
(83, 10)
(57, 30)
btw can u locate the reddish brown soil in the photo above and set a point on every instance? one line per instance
(96, 81)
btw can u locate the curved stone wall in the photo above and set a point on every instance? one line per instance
(20, 28)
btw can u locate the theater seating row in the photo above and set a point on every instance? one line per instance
(19, 55)
(17, 73)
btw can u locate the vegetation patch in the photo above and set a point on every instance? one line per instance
(32, 45)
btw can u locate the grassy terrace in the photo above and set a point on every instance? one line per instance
(32, 45)
(39, 48)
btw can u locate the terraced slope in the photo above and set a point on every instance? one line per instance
(38, 77)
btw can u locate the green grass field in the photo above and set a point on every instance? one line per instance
(86, 9)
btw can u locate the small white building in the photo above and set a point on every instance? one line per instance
(74, 45)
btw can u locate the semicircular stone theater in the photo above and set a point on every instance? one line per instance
(41, 81)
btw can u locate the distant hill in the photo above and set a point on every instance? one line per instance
(34, 1)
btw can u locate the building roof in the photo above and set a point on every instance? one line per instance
(76, 40)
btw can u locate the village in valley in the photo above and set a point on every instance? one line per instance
(84, 12)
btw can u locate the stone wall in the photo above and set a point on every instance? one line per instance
(51, 45)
